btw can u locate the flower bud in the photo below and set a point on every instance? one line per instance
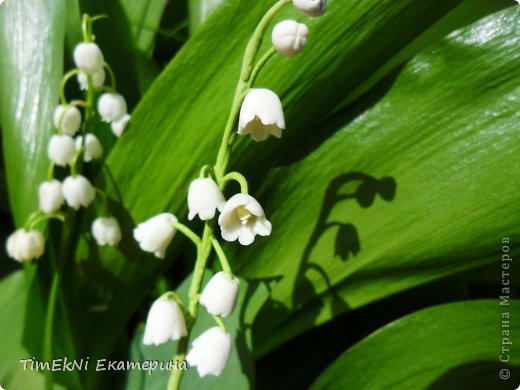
(25, 245)
(311, 7)
(88, 57)
(289, 37)
(210, 352)
(165, 322)
(67, 118)
(261, 115)
(93, 148)
(98, 79)
(243, 218)
(111, 106)
(204, 198)
(220, 294)
(50, 196)
(118, 126)
(106, 231)
(61, 150)
(78, 191)
(155, 234)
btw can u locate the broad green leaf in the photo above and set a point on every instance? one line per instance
(177, 126)
(200, 10)
(145, 18)
(31, 65)
(239, 373)
(416, 188)
(452, 346)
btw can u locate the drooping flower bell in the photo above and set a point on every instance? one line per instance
(61, 150)
(289, 37)
(78, 191)
(88, 57)
(93, 148)
(111, 107)
(220, 294)
(98, 79)
(243, 218)
(261, 115)
(165, 322)
(155, 234)
(204, 198)
(210, 352)
(311, 7)
(50, 196)
(25, 245)
(67, 118)
(106, 231)
(119, 125)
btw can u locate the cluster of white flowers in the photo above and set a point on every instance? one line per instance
(241, 217)
(64, 151)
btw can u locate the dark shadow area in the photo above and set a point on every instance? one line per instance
(481, 375)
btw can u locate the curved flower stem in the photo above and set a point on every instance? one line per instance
(220, 323)
(73, 166)
(261, 63)
(243, 84)
(64, 81)
(188, 233)
(50, 172)
(239, 178)
(112, 75)
(177, 298)
(222, 258)
(206, 171)
(45, 217)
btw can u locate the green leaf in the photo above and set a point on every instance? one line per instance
(200, 10)
(415, 178)
(239, 373)
(31, 67)
(452, 346)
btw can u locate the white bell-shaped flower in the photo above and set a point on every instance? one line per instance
(111, 106)
(106, 231)
(25, 245)
(204, 198)
(289, 37)
(210, 352)
(61, 150)
(67, 118)
(261, 115)
(118, 126)
(165, 322)
(78, 191)
(220, 294)
(155, 234)
(311, 7)
(243, 218)
(88, 57)
(98, 79)
(50, 196)
(93, 148)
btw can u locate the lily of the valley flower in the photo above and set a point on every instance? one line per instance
(155, 234)
(93, 148)
(289, 37)
(25, 245)
(88, 57)
(67, 118)
(204, 198)
(220, 294)
(261, 115)
(106, 231)
(311, 7)
(61, 150)
(118, 126)
(243, 218)
(50, 196)
(78, 191)
(111, 107)
(210, 352)
(98, 79)
(165, 322)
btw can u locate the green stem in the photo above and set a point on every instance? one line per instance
(112, 75)
(260, 64)
(73, 166)
(64, 81)
(239, 178)
(45, 217)
(50, 172)
(176, 376)
(188, 233)
(222, 258)
(49, 322)
(220, 323)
